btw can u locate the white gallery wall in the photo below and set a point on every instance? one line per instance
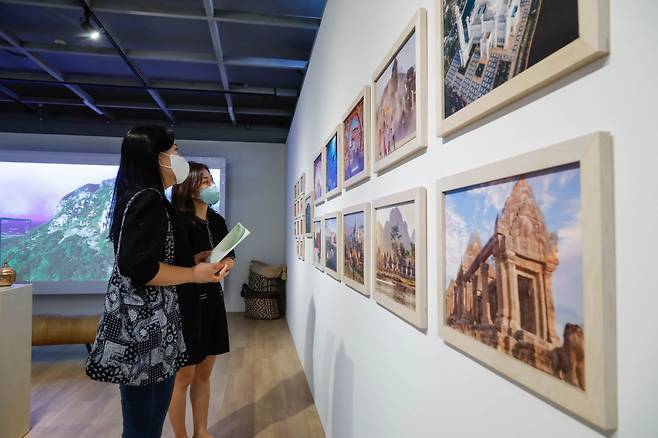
(372, 374)
(255, 196)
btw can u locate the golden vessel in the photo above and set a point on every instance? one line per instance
(7, 275)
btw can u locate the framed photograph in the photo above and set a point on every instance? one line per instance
(331, 227)
(355, 145)
(526, 265)
(399, 278)
(399, 101)
(318, 177)
(332, 164)
(318, 246)
(488, 57)
(309, 213)
(301, 249)
(356, 248)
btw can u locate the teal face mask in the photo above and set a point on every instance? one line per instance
(210, 195)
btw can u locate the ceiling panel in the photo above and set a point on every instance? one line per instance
(52, 33)
(172, 70)
(307, 8)
(13, 60)
(265, 77)
(27, 90)
(151, 33)
(265, 41)
(80, 64)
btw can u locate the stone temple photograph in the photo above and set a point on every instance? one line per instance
(488, 42)
(395, 252)
(395, 101)
(513, 269)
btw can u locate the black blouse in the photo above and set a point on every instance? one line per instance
(201, 240)
(144, 233)
(142, 250)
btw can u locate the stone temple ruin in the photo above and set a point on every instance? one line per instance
(503, 296)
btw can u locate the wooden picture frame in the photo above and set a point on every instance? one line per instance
(363, 99)
(298, 206)
(580, 375)
(318, 177)
(332, 264)
(414, 203)
(347, 278)
(337, 134)
(301, 249)
(308, 218)
(415, 142)
(590, 44)
(318, 244)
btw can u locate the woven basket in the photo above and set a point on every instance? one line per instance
(263, 295)
(260, 305)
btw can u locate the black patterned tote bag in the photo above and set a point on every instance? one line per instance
(139, 340)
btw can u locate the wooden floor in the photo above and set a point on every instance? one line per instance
(258, 390)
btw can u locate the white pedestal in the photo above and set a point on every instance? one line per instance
(15, 360)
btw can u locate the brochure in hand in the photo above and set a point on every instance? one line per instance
(232, 239)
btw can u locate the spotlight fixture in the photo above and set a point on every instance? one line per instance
(85, 24)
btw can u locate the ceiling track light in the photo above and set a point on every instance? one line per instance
(85, 24)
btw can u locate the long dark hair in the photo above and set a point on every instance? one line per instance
(181, 194)
(139, 167)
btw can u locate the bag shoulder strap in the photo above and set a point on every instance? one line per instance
(123, 219)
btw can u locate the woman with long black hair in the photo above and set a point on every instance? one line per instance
(140, 342)
(206, 229)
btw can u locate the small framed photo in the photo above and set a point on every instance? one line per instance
(318, 245)
(399, 101)
(399, 278)
(332, 164)
(488, 59)
(355, 144)
(318, 177)
(527, 272)
(301, 250)
(356, 248)
(309, 213)
(331, 227)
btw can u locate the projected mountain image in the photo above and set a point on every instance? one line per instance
(72, 245)
(54, 224)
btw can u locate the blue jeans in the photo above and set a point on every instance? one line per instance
(145, 408)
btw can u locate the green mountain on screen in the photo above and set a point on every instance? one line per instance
(72, 246)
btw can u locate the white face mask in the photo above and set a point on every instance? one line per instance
(179, 166)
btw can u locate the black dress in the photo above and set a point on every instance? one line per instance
(213, 339)
(143, 246)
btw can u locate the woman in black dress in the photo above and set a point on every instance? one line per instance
(154, 252)
(206, 228)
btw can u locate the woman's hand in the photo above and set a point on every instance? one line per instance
(209, 272)
(201, 257)
(228, 264)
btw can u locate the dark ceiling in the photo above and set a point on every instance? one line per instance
(234, 64)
